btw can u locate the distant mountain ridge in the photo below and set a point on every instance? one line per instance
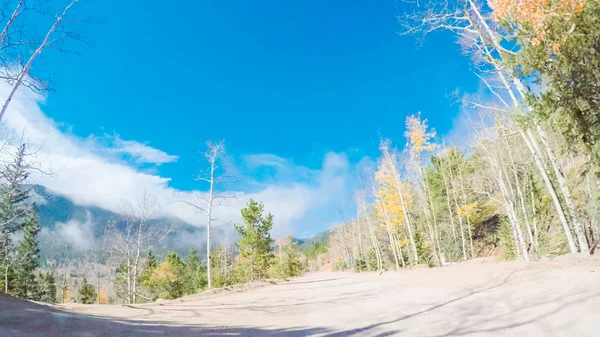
(69, 226)
(66, 224)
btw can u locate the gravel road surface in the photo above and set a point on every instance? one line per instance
(479, 298)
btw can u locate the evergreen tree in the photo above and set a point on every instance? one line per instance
(13, 209)
(255, 244)
(87, 293)
(167, 277)
(290, 264)
(149, 267)
(563, 59)
(194, 277)
(27, 257)
(151, 261)
(423, 250)
(46, 288)
(361, 264)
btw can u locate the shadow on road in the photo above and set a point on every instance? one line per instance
(500, 305)
(20, 318)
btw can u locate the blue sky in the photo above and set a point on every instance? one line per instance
(292, 79)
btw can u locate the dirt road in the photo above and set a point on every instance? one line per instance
(480, 298)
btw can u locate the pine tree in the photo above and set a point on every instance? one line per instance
(255, 244)
(149, 267)
(13, 209)
(194, 277)
(14, 195)
(27, 257)
(151, 261)
(290, 263)
(87, 293)
(46, 288)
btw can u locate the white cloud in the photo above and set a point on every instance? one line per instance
(89, 173)
(77, 234)
(142, 153)
(264, 160)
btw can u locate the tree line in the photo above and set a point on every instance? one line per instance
(253, 258)
(124, 260)
(525, 185)
(18, 215)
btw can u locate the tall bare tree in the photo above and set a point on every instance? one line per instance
(216, 177)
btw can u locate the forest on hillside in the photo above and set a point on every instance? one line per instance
(525, 186)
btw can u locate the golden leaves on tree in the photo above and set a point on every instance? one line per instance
(467, 210)
(536, 13)
(388, 200)
(417, 136)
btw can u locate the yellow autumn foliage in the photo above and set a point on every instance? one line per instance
(467, 210)
(164, 273)
(417, 136)
(388, 199)
(67, 295)
(402, 243)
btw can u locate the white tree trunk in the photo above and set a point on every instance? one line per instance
(520, 196)
(10, 21)
(129, 298)
(399, 248)
(374, 242)
(431, 235)
(360, 241)
(533, 145)
(450, 214)
(136, 264)
(434, 236)
(97, 288)
(562, 184)
(396, 175)
(462, 185)
(390, 235)
(510, 207)
(208, 224)
(534, 217)
(460, 222)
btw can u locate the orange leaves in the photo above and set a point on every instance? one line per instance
(102, 298)
(536, 13)
(521, 10)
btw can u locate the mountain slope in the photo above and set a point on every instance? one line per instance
(69, 227)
